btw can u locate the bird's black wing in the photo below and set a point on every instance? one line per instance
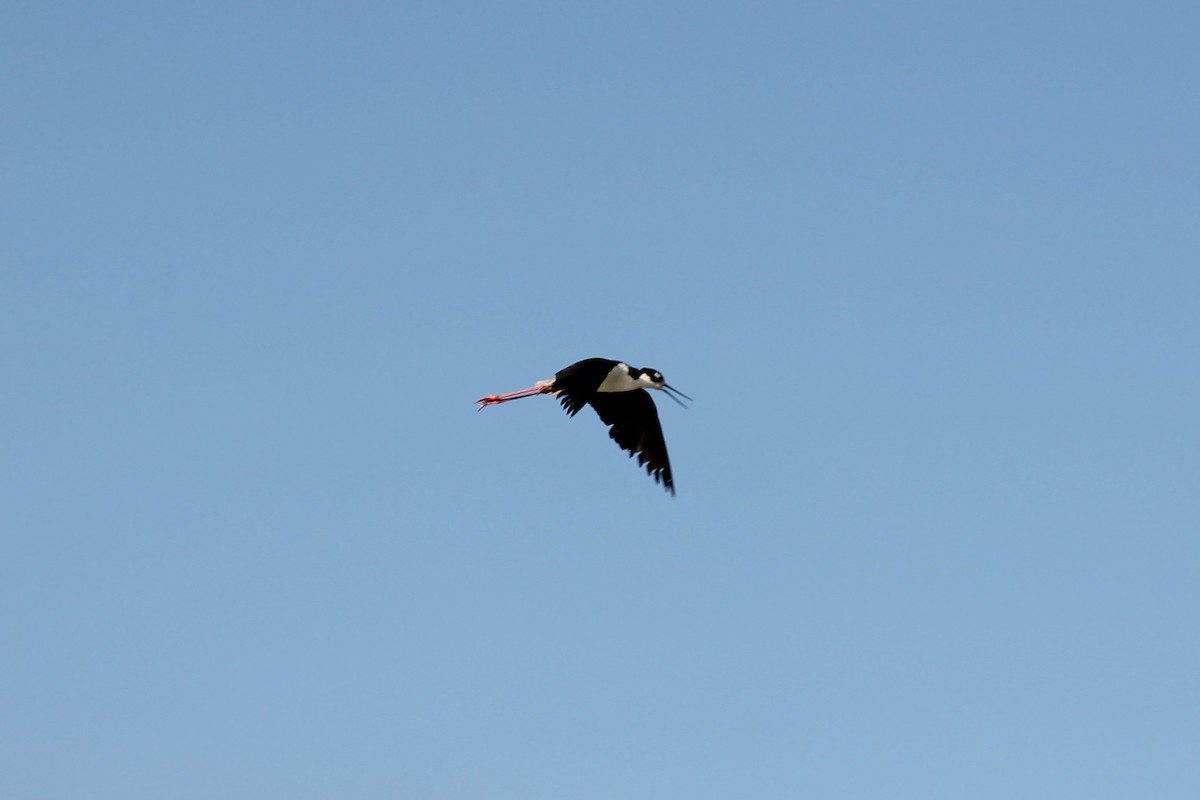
(577, 383)
(633, 424)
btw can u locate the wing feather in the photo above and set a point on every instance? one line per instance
(633, 424)
(577, 383)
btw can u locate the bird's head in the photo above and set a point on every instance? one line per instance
(653, 379)
(649, 378)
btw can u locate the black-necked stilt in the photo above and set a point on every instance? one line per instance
(618, 393)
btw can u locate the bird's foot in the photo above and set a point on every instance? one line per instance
(490, 400)
(496, 399)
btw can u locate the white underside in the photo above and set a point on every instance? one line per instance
(618, 380)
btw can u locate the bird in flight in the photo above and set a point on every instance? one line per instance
(618, 393)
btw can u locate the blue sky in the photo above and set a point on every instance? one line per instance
(929, 270)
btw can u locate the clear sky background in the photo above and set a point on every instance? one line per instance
(931, 272)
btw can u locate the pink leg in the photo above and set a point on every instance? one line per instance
(497, 399)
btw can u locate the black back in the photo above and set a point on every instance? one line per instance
(577, 384)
